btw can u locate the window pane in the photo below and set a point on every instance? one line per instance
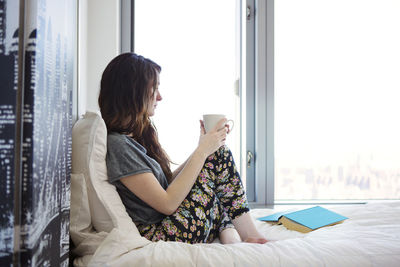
(337, 92)
(195, 44)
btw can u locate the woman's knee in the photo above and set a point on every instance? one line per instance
(222, 154)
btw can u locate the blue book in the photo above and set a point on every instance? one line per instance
(305, 220)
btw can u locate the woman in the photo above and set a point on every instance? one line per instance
(202, 199)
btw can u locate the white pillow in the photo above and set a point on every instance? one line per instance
(89, 148)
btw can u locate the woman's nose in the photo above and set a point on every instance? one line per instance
(159, 97)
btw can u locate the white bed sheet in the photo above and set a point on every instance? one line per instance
(370, 237)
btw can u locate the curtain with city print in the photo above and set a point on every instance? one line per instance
(49, 48)
(9, 16)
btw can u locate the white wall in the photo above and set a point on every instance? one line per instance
(99, 42)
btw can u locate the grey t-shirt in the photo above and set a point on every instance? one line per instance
(126, 157)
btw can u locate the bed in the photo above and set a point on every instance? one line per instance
(104, 235)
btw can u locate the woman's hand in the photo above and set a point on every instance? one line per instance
(214, 139)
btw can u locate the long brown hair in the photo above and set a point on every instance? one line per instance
(127, 85)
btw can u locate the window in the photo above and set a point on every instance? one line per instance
(319, 107)
(337, 95)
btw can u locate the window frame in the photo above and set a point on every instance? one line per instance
(248, 97)
(127, 15)
(260, 101)
(265, 101)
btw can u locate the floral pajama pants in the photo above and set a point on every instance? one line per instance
(216, 198)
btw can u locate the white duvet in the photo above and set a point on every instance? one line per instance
(370, 237)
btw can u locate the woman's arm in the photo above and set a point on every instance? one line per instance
(179, 169)
(146, 187)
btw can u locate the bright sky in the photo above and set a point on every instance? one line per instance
(337, 85)
(194, 42)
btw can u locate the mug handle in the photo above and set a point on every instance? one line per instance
(230, 128)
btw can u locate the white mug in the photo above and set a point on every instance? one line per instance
(210, 120)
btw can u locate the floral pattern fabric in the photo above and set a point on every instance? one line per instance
(216, 198)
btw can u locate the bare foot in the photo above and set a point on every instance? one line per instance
(229, 236)
(247, 230)
(258, 240)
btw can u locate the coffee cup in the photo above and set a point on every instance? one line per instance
(210, 120)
